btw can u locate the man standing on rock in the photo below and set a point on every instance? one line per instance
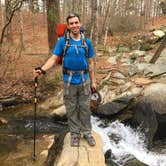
(78, 76)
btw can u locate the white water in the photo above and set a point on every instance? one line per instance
(125, 143)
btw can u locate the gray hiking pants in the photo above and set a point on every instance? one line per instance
(77, 104)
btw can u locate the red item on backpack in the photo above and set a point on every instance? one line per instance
(61, 29)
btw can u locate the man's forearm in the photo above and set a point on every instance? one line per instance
(91, 71)
(50, 63)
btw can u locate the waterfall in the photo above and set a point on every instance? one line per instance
(126, 143)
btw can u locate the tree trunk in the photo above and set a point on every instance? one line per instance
(163, 6)
(52, 21)
(14, 8)
(94, 29)
(2, 14)
(44, 14)
(8, 10)
(20, 21)
(105, 36)
(94, 21)
(33, 23)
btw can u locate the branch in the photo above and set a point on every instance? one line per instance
(159, 50)
(16, 7)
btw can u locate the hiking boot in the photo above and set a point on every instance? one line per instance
(89, 138)
(75, 139)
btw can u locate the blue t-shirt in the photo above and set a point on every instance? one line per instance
(75, 57)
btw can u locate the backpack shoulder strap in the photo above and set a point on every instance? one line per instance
(67, 41)
(84, 43)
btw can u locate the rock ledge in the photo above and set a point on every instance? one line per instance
(84, 155)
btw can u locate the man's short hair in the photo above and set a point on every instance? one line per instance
(71, 15)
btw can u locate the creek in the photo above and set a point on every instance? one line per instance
(17, 136)
(16, 140)
(127, 143)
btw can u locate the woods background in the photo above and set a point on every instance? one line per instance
(28, 31)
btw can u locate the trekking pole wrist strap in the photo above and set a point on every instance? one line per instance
(41, 70)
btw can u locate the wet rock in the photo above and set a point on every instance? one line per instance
(145, 117)
(111, 108)
(150, 112)
(134, 162)
(108, 158)
(10, 101)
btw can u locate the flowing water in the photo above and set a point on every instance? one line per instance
(126, 143)
(16, 141)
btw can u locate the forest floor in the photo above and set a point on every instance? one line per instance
(16, 78)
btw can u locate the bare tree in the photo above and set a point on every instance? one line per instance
(8, 11)
(163, 6)
(20, 21)
(43, 10)
(52, 21)
(94, 22)
(15, 5)
(2, 14)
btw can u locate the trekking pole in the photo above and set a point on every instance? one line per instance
(34, 128)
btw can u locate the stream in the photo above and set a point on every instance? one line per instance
(16, 141)
(126, 144)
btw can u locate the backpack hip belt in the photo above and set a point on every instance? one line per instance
(71, 72)
(67, 71)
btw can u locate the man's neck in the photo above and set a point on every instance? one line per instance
(75, 36)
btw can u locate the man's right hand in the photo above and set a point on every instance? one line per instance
(38, 71)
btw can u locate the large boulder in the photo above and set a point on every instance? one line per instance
(84, 155)
(150, 112)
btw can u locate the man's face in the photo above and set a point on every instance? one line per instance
(74, 25)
